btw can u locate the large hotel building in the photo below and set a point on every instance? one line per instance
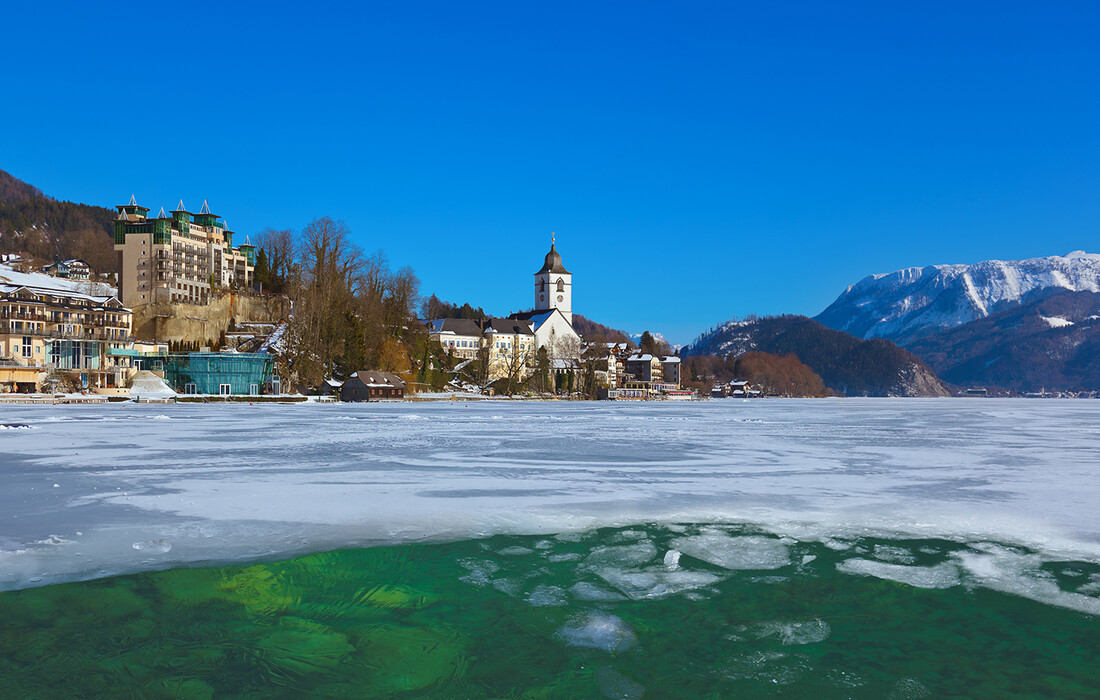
(179, 258)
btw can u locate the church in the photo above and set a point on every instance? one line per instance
(513, 344)
(552, 320)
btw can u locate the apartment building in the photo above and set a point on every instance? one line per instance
(183, 257)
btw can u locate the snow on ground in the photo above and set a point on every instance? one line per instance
(95, 490)
(1057, 321)
(11, 279)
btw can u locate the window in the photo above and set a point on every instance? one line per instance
(561, 285)
(542, 285)
(253, 389)
(225, 389)
(190, 388)
(26, 346)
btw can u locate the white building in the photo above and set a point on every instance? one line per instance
(514, 343)
(460, 337)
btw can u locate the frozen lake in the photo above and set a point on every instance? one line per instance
(96, 490)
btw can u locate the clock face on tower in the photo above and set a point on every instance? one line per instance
(561, 298)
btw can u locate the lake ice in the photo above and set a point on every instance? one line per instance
(97, 490)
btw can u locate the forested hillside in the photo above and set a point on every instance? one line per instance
(847, 364)
(1051, 343)
(46, 229)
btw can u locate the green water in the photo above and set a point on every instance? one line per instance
(593, 615)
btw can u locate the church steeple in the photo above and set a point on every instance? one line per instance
(554, 284)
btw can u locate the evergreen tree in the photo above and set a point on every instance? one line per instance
(262, 274)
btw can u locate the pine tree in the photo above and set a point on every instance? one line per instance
(262, 273)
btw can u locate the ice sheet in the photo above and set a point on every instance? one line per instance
(155, 486)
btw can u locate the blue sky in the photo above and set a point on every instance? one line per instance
(698, 161)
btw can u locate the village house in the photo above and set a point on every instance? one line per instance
(372, 386)
(72, 269)
(660, 375)
(512, 347)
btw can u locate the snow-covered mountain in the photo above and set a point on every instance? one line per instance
(917, 301)
(659, 337)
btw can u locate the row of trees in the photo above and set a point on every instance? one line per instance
(45, 229)
(351, 311)
(434, 308)
(774, 374)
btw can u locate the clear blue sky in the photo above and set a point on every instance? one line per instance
(697, 160)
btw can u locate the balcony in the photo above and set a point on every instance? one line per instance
(24, 316)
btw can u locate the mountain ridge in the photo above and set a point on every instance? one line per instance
(914, 302)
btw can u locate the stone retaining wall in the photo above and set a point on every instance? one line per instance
(170, 322)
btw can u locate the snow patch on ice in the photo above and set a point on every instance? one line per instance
(1008, 571)
(598, 630)
(621, 556)
(939, 576)
(547, 596)
(735, 553)
(656, 583)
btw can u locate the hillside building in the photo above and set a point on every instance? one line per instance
(72, 269)
(182, 258)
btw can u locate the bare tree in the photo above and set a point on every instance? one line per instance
(324, 296)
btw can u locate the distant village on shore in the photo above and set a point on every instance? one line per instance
(148, 331)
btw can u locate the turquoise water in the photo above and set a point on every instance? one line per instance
(606, 613)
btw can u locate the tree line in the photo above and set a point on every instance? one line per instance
(45, 229)
(351, 311)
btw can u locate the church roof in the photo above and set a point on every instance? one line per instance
(457, 326)
(553, 262)
(509, 326)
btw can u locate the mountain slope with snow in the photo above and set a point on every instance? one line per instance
(1051, 343)
(918, 301)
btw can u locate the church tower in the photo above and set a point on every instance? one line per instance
(554, 285)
